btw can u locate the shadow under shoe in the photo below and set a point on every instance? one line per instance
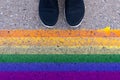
(74, 11)
(48, 12)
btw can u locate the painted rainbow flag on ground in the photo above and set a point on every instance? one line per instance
(60, 54)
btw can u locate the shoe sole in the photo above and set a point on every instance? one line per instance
(77, 25)
(50, 27)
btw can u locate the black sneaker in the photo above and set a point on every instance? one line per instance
(48, 12)
(74, 11)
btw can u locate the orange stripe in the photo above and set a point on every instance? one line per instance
(59, 33)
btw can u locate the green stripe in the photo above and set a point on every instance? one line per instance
(59, 58)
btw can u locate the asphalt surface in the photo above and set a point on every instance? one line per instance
(23, 14)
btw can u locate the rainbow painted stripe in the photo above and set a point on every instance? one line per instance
(61, 38)
(60, 54)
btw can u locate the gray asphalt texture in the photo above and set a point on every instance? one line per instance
(23, 14)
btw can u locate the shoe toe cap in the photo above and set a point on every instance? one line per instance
(74, 18)
(49, 19)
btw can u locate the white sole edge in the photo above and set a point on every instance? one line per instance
(50, 27)
(77, 25)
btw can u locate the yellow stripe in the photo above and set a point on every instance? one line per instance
(59, 41)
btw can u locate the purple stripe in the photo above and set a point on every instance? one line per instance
(59, 75)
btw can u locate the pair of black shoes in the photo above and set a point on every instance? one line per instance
(49, 12)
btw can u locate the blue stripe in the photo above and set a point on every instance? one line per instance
(59, 66)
